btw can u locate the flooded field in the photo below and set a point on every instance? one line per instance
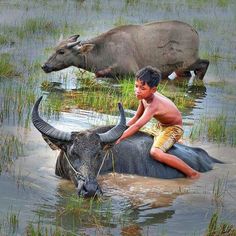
(33, 200)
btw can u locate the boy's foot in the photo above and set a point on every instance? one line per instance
(180, 141)
(195, 175)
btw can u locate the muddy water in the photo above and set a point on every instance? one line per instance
(132, 205)
(146, 206)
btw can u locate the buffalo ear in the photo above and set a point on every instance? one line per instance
(85, 48)
(54, 144)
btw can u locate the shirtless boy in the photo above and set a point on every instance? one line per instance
(154, 105)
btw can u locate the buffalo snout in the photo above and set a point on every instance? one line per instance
(47, 68)
(89, 188)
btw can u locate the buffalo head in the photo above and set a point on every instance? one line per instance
(69, 52)
(82, 153)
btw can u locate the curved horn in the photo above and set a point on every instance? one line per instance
(71, 45)
(114, 133)
(46, 129)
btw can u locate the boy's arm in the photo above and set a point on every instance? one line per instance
(146, 116)
(138, 114)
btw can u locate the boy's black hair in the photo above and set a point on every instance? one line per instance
(149, 75)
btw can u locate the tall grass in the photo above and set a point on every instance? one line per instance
(4, 39)
(10, 148)
(216, 228)
(214, 129)
(31, 26)
(103, 97)
(41, 229)
(9, 224)
(7, 69)
(16, 105)
(220, 187)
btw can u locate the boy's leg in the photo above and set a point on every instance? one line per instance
(174, 162)
(164, 142)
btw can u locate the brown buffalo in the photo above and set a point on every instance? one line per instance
(168, 45)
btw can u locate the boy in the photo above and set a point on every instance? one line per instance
(153, 104)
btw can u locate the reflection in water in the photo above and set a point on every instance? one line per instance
(197, 92)
(99, 215)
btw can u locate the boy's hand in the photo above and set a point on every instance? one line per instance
(118, 141)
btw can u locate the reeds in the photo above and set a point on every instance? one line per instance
(7, 69)
(4, 39)
(220, 187)
(10, 148)
(214, 129)
(218, 229)
(9, 224)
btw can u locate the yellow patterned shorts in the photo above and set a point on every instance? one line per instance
(164, 137)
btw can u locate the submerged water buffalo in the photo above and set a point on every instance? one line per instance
(85, 155)
(168, 45)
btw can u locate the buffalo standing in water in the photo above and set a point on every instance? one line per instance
(168, 45)
(86, 154)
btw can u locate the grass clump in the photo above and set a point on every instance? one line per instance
(220, 187)
(10, 148)
(104, 96)
(35, 25)
(100, 97)
(10, 223)
(87, 211)
(3, 39)
(39, 230)
(16, 105)
(120, 21)
(200, 24)
(29, 27)
(7, 69)
(214, 129)
(218, 229)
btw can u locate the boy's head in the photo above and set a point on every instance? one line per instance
(149, 75)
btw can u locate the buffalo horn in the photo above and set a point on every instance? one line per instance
(71, 45)
(114, 133)
(46, 129)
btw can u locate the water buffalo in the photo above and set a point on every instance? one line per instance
(168, 45)
(85, 155)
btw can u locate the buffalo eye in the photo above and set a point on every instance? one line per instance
(61, 52)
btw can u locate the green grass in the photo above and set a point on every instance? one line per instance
(200, 24)
(103, 97)
(31, 26)
(216, 228)
(223, 3)
(10, 148)
(120, 21)
(220, 187)
(39, 24)
(9, 224)
(17, 101)
(7, 69)
(4, 39)
(214, 129)
(43, 230)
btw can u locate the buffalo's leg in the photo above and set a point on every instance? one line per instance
(196, 70)
(199, 68)
(104, 73)
(107, 72)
